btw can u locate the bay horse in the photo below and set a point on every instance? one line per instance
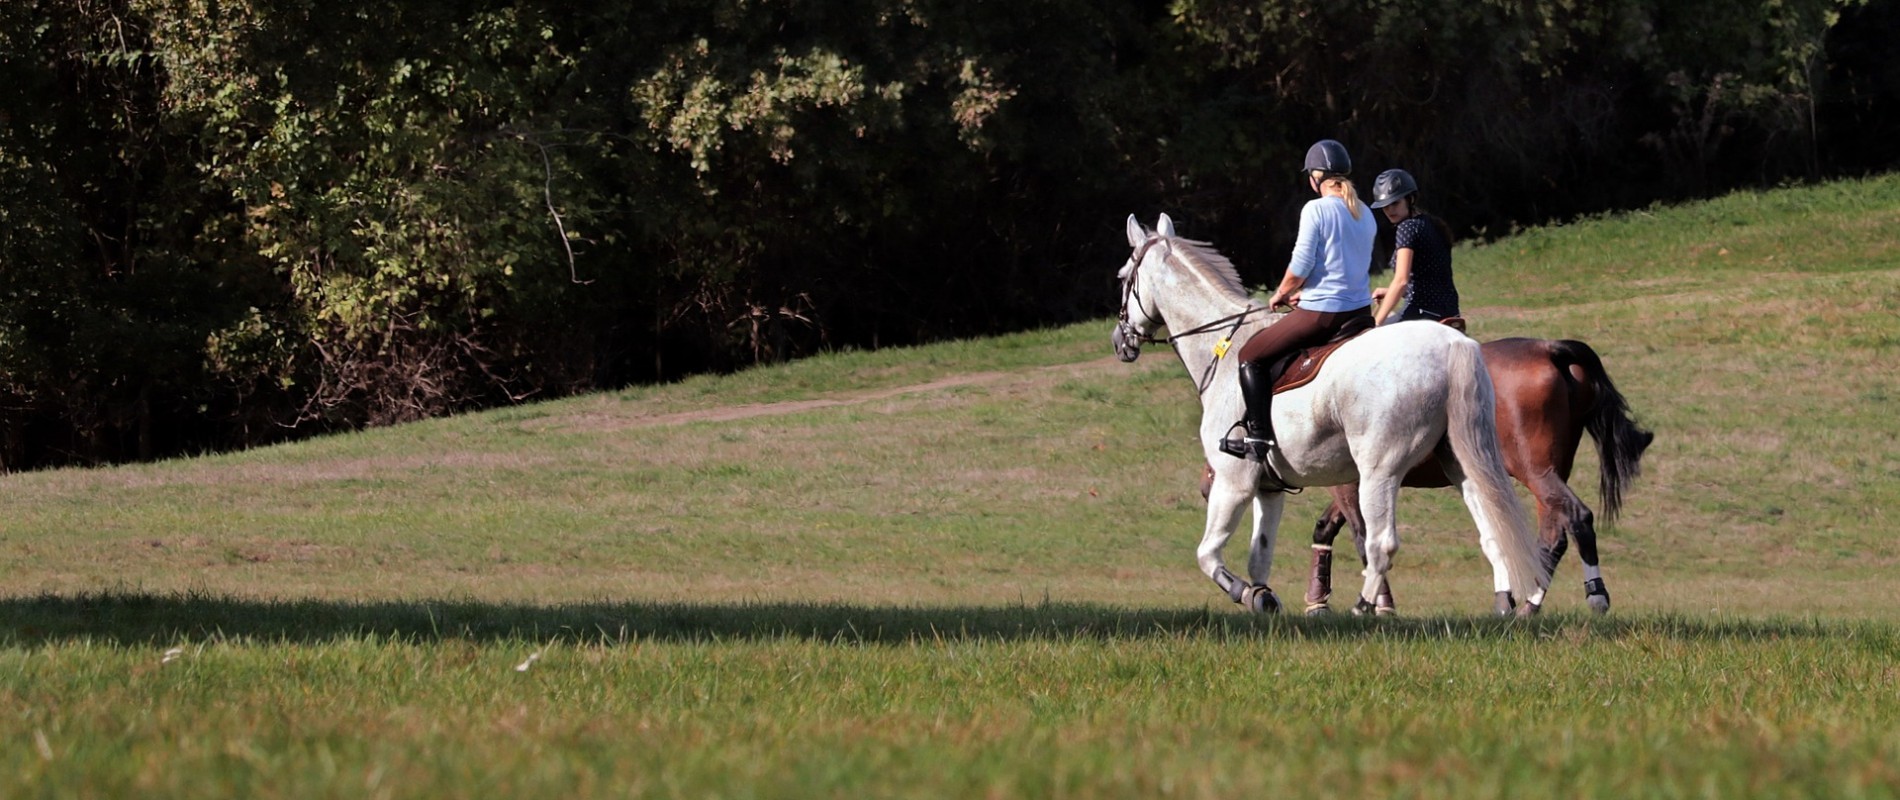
(1385, 402)
(1549, 392)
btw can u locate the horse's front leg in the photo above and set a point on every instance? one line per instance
(1268, 507)
(1319, 581)
(1562, 516)
(1225, 502)
(1342, 513)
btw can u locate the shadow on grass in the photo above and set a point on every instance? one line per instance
(145, 619)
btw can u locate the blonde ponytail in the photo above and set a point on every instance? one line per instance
(1347, 192)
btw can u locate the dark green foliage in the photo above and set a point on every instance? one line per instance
(226, 221)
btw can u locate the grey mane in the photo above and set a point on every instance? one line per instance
(1203, 258)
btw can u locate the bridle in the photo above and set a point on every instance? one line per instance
(1126, 331)
(1131, 291)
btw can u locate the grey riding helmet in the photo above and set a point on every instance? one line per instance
(1391, 186)
(1328, 156)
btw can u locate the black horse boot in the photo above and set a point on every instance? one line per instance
(1257, 390)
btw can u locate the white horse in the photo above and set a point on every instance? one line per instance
(1385, 401)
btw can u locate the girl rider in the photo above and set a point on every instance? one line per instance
(1421, 253)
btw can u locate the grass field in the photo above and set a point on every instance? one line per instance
(967, 570)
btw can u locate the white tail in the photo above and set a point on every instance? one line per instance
(1502, 524)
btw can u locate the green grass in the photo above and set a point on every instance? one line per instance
(311, 699)
(967, 569)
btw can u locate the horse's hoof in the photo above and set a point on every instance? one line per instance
(1318, 610)
(1261, 600)
(1361, 608)
(1598, 596)
(1503, 604)
(1384, 609)
(1529, 610)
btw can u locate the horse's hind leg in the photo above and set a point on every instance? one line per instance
(1563, 516)
(1582, 526)
(1594, 591)
(1505, 602)
(1384, 603)
(1378, 502)
(1343, 512)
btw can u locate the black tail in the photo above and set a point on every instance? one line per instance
(1620, 442)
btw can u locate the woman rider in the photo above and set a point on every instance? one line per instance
(1330, 270)
(1421, 253)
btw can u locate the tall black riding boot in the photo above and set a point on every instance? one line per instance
(1257, 391)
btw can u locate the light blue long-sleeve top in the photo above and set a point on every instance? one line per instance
(1334, 255)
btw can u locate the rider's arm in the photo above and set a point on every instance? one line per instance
(1288, 286)
(1401, 275)
(1305, 255)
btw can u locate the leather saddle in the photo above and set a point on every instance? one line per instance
(1302, 366)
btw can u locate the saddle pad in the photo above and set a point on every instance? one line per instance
(1305, 367)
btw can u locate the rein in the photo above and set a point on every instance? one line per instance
(1231, 322)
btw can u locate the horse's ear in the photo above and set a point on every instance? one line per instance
(1135, 234)
(1164, 226)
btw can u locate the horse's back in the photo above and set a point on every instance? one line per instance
(1408, 351)
(1387, 392)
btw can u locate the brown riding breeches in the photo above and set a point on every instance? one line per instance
(1302, 328)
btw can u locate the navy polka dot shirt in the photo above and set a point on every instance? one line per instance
(1431, 293)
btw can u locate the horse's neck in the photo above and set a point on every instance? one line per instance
(1198, 303)
(1199, 351)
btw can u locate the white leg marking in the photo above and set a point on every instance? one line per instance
(1500, 578)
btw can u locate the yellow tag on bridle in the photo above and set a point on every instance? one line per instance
(1220, 347)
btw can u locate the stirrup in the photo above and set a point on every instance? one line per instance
(1248, 448)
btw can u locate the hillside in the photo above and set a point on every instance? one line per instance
(1757, 334)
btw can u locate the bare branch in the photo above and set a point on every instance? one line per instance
(547, 196)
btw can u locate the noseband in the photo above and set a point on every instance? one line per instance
(1130, 333)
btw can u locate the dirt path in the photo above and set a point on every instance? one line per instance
(603, 421)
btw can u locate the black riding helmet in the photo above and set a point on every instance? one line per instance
(1328, 156)
(1390, 186)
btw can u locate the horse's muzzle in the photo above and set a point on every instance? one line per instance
(1127, 343)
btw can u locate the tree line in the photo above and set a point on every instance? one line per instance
(229, 222)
